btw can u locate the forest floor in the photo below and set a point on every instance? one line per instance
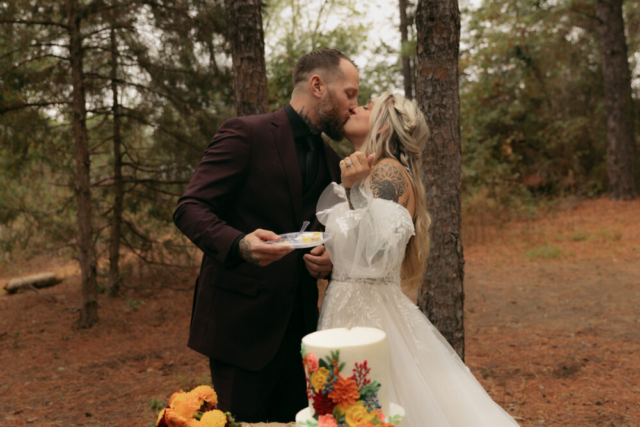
(552, 321)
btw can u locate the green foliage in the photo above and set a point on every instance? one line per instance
(133, 304)
(370, 389)
(532, 103)
(156, 404)
(546, 252)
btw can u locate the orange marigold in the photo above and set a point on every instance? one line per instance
(213, 418)
(204, 393)
(345, 392)
(174, 395)
(185, 404)
(171, 418)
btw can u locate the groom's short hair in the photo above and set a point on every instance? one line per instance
(327, 60)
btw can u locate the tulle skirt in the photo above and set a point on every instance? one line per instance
(428, 378)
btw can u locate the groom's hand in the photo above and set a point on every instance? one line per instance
(318, 262)
(261, 255)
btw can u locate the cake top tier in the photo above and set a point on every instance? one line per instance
(344, 337)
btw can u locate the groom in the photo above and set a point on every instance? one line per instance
(259, 177)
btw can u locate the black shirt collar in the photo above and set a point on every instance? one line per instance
(298, 125)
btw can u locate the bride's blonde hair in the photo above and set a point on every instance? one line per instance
(398, 130)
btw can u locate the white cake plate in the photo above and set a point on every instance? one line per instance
(304, 418)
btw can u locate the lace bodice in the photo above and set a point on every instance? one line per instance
(368, 242)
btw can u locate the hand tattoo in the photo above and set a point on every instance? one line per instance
(305, 116)
(388, 182)
(246, 253)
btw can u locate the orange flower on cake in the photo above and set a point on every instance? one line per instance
(327, 421)
(357, 414)
(345, 392)
(319, 379)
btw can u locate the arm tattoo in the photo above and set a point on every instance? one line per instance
(246, 253)
(348, 192)
(387, 182)
(305, 116)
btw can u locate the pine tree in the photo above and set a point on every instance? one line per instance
(441, 297)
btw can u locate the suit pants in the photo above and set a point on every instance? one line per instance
(273, 394)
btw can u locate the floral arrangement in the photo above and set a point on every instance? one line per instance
(197, 408)
(340, 401)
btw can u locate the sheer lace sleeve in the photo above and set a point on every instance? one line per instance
(368, 241)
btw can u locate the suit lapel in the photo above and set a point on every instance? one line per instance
(283, 136)
(333, 162)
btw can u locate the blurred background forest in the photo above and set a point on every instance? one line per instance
(158, 83)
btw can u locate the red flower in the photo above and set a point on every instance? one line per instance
(322, 404)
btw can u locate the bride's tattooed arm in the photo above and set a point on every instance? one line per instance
(348, 192)
(388, 182)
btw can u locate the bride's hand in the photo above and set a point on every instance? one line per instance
(355, 168)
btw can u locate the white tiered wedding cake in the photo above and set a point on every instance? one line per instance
(347, 379)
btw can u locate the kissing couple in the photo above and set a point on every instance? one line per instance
(265, 175)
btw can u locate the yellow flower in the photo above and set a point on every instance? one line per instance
(213, 418)
(318, 378)
(185, 404)
(357, 414)
(204, 393)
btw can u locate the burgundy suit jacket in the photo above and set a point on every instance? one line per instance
(249, 178)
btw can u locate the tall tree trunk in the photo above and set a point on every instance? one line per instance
(118, 185)
(441, 296)
(87, 255)
(246, 38)
(406, 58)
(621, 143)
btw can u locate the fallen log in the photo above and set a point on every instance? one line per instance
(33, 282)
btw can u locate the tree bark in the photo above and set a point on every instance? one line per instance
(441, 296)
(118, 184)
(87, 255)
(406, 59)
(246, 38)
(621, 143)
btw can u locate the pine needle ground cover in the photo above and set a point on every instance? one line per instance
(554, 340)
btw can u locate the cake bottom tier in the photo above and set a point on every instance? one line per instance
(304, 418)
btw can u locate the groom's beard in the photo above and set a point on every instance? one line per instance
(330, 121)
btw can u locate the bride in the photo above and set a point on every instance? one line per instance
(379, 223)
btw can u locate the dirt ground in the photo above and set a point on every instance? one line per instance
(552, 322)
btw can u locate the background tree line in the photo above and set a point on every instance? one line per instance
(107, 105)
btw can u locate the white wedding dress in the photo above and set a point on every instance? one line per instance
(367, 247)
